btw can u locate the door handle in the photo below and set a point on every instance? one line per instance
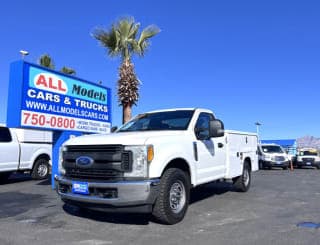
(220, 145)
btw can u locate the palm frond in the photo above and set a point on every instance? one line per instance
(121, 40)
(145, 35)
(68, 70)
(108, 39)
(46, 61)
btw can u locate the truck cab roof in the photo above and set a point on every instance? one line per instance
(181, 109)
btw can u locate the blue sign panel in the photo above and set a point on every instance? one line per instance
(42, 98)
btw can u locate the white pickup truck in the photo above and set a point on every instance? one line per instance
(24, 150)
(309, 157)
(150, 163)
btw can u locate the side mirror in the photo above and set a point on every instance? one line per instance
(113, 129)
(216, 128)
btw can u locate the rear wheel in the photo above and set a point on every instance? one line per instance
(40, 169)
(174, 194)
(242, 183)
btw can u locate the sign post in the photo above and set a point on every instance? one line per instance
(41, 98)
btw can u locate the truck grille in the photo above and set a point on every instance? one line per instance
(311, 160)
(95, 148)
(109, 162)
(279, 158)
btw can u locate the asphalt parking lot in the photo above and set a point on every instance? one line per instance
(31, 213)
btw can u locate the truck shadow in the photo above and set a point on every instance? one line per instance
(197, 194)
(205, 191)
(16, 203)
(19, 177)
(15, 178)
(116, 218)
(45, 181)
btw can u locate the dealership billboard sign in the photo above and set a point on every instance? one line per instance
(42, 98)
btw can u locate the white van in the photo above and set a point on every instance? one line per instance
(272, 155)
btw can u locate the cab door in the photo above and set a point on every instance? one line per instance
(211, 152)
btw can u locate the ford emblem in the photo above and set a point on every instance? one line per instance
(84, 161)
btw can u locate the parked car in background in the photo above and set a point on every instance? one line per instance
(25, 150)
(272, 155)
(308, 157)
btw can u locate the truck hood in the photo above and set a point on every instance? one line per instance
(276, 154)
(273, 154)
(124, 138)
(308, 156)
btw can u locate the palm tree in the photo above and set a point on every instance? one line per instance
(68, 70)
(46, 61)
(121, 41)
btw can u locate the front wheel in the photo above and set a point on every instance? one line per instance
(242, 183)
(40, 169)
(174, 194)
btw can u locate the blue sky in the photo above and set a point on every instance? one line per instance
(248, 61)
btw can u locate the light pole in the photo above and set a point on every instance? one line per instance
(258, 125)
(23, 53)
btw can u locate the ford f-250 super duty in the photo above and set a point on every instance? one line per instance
(150, 163)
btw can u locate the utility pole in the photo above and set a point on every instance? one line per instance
(258, 124)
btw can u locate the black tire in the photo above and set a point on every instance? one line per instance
(173, 199)
(242, 183)
(285, 168)
(40, 169)
(318, 166)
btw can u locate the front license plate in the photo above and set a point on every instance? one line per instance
(308, 163)
(80, 188)
(279, 163)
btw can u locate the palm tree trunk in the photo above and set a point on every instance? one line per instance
(126, 113)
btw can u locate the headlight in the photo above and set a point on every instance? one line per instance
(266, 157)
(61, 169)
(141, 156)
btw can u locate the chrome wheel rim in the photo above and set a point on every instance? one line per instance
(177, 196)
(42, 170)
(246, 177)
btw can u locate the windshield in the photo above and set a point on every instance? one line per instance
(166, 120)
(308, 153)
(272, 149)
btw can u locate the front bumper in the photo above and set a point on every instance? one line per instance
(122, 196)
(309, 164)
(284, 164)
